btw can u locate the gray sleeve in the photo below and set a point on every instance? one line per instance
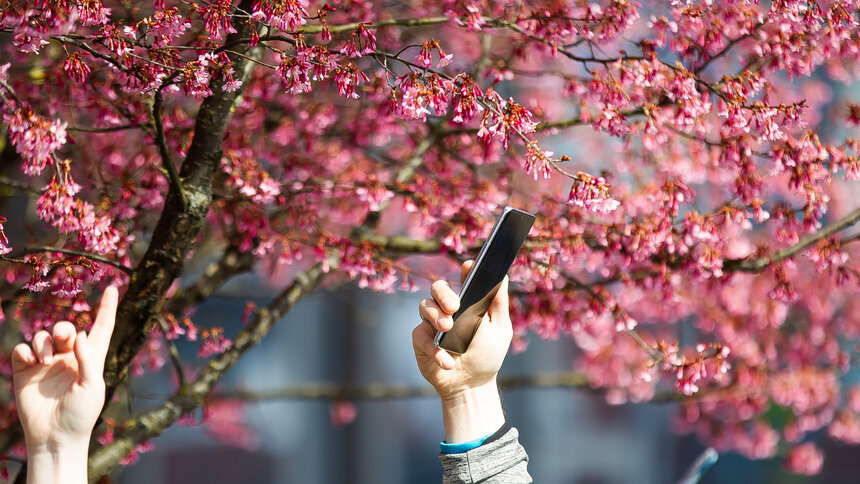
(501, 459)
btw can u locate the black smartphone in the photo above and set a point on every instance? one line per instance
(483, 281)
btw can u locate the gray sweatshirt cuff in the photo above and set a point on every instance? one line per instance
(501, 459)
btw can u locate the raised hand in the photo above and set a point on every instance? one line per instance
(60, 390)
(466, 383)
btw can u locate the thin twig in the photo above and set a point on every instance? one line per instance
(16, 257)
(109, 129)
(161, 141)
(174, 354)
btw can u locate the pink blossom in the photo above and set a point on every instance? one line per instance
(342, 413)
(4, 242)
(165, 26)
(347, 79)
(465, 95)
(218, 15)
(507, 118)
(805, 459)
(115, 39)
(35, 138)
(91, 12)
(425, 57)
(246, 175)
(75, 68)
(374, 195)
(362, 41)
(134, 455)
(538, 163)
(214, 343)
(591, 193)
(294, 73)
(225, 421)
(846, 428)
(107, 437)
(287, 15)
(232, 85)
(421, 94)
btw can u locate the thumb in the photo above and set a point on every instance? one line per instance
(89, 367)
(499, 308)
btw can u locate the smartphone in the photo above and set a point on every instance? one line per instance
(483, 281)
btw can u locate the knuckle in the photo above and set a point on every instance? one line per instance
(438, 286)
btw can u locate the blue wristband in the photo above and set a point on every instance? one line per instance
(446, 448)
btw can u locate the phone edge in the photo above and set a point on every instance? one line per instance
(437, 340)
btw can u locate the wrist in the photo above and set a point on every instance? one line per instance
(54, 462)
(472, 413)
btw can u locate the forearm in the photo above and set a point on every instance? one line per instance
(49, 464)
(472, 413)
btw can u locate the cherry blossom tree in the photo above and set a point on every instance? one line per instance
(691, 165)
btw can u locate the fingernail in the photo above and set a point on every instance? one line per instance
(48, 359)
(451, 302)
(446, 321)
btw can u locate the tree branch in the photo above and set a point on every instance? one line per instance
(758, 264)
(10, 183)
(38, 249)
(174, 355)
(108, 129)
(81, 45)
(215, 275)
(177, 229)
(164, 151)
(383, 391)
(153, 423)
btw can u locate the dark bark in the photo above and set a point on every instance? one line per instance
(179, 226)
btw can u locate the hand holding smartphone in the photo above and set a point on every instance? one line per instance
(482, 283)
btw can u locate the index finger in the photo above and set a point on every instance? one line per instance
(447, 299)
(102, 329)
(464, 270)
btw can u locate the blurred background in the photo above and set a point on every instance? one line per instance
(355, 338)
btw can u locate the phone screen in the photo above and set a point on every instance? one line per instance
(485, 277)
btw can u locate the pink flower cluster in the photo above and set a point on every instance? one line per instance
(134, 455)
(538, 163)
(59, 207)
(75, 68)
(710, 360)
(217, 16)
(805, 459)
(294, 72)
(225, 421)
(4, 242)
(504, 118)
(35, 138)
(92, 12)
(362, 41)
(347, 77)
(465, 95)
(425, 57)
(167, 25)
(248, 177)
(213, 342)
(287, 15)
(591, 193)
(421, 93)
